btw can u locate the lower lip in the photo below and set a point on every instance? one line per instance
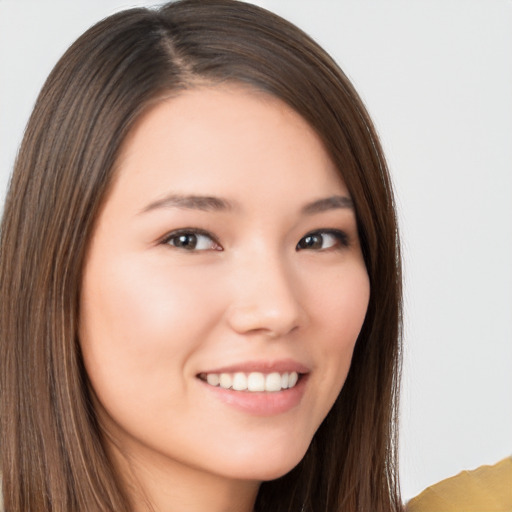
(264, 403)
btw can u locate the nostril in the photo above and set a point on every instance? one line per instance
(267, 318)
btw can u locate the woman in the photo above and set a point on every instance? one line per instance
(200, 273)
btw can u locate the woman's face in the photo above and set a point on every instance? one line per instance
(226, 254)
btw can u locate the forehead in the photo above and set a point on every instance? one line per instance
(226, 140)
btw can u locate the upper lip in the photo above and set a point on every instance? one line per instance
(280, 366)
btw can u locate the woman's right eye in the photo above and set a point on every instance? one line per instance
(191, 240)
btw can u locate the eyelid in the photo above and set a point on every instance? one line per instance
(341, 236)
(190, 231)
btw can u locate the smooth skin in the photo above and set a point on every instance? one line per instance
(268, 268)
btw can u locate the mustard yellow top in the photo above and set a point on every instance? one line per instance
(485, 489)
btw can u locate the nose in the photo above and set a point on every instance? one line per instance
(266, 299)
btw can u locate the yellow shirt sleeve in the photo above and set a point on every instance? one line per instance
(485, 489)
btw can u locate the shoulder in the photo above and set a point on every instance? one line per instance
(485, 489)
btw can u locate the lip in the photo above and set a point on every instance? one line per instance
(260, 403)
(281, 366)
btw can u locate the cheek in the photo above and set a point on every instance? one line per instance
(139, 322)
(341, 311)
(341, 303)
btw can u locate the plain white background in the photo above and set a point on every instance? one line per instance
(437, 78)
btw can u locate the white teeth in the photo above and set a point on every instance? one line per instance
(213, 379)
(239, 382)
(292, 379)
(225, 380)
(273, 382)
(254, 381)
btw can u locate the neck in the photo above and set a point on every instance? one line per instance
(168, 486)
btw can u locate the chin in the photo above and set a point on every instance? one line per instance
(268, 466)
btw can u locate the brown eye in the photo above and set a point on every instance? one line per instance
(192, 241)
(322, 240)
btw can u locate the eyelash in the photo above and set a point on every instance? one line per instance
(307, 242)
(341, 239)
(188, 232)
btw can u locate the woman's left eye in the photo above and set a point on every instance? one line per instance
(323, 240)
(191, 240)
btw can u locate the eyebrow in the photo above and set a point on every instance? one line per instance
(216, 204)
(190, 202)
(328, 203)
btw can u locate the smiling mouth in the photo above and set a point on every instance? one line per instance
(253, 382)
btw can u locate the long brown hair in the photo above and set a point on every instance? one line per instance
(53, 458)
